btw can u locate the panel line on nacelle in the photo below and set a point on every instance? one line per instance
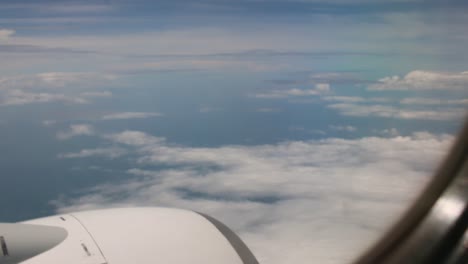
(4, 246)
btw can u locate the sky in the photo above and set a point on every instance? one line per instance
(307, 126)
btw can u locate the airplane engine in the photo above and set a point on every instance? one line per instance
(123, 236)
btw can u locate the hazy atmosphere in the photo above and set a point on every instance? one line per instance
(307, 126)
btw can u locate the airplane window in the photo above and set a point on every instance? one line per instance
(308, 127)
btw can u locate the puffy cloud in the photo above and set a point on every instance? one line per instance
(6, 33)
(76, 130)
(310, 199)
(423, 80)
(110, 153)
(130, 115)
(407, 108)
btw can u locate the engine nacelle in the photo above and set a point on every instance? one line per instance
(123, 236)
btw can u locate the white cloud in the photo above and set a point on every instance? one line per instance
(356, 99)
(322, 87)
(392, 132)
(20, 97)
(49, 122)
(5, 34)
(344, 99)
(309, 199)
(134, 138)
(110, 153)
(388, 111)
(408, 108)
(67, 87)
(309, 131)
(343, 128)
(278, 94)
(433, 101)
(130, 115)
(423, 80)
(76, 130)
(55, 80)
(449, 109)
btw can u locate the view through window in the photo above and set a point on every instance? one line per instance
(307, 126)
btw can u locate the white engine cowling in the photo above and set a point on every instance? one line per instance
(123, 236)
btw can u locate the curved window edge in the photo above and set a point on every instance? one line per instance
(433, 229)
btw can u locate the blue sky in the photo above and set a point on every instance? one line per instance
(311, 122)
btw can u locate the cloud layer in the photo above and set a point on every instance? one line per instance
(423, 80)
(373, 102)
(66, 87)
(389, 111)
(292, 202)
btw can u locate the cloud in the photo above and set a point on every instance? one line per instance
(55, 80)
(322, 87)
(295, 92)
(134, 138)
(336, 78)
(309, 131)
(110, 153)
(356, 99)
(391, 132)
(344, 99)
(49, 122)
(387, 111)
(130, 115)
(19, 97)
(76, 130)
(408, 108)
(61, 79)
(433, 101)
(343, 128)
(423, 80)
(308, 198)
(52, 87)
(5, 34)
